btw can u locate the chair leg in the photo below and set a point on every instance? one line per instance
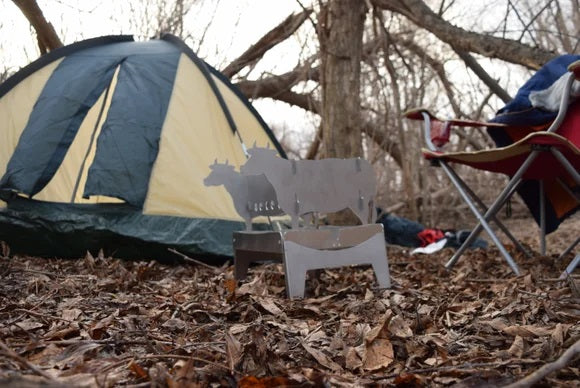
(241, 265)
(571, 267)
(380, 263)
(542, 219)
(483, 218)
(566, 164)
(569, 249)
(294, 271)
(493, 209)
(500, 225)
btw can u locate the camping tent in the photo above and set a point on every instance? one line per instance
(105, 143)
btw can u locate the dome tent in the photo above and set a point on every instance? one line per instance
(105, 143)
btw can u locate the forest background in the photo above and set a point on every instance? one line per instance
(297, 59)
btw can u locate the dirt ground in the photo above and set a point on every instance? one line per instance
(101, 321)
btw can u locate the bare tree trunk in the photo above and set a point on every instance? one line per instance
(340, 32)
(48, 40)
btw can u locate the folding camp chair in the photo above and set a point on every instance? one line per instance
(549, 158)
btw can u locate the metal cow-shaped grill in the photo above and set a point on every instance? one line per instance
(269, 185)
(323, 186)
(253, 195)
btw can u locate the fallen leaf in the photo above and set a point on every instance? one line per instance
(352, 359)
(175, 324)
(379, 354)
(517, 348)
(527, 330)
(46, 356)
(98, 330)
(265, 382)
(137, 370)
(75, 354)
(269, 305)
(66, 332)
(322, 358)
(234, 351)
(71, 314)
(230, 286)
(376, 331)
(431, 361)
(408, 381)
(398, 327)
(27, 325)
(558, 334)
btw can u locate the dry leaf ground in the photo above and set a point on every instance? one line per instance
(100, 321)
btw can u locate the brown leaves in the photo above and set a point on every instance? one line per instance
(105, 322)
(234, 351)
(379, 354)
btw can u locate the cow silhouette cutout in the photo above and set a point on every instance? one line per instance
(252, 195)
(322, 186)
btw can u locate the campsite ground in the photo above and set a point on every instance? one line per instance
(100, 321)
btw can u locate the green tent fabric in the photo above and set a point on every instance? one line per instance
(105, 144)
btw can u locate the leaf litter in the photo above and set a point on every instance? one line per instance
(100, 321)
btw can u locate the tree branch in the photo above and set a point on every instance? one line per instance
(279, 90)
(437, 67)
(278, 84)
(492, 47)
(47, 38)
(545, 370)
(272, 38)
(483, 75)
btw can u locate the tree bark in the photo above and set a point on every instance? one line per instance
(47, 38)
(489, 46)
(340, 32)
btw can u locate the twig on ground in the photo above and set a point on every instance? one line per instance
(24, 362)
(465, 366)
(164, 356)
(545, 370)
(189, 259)
(44, 343)
(477, 280)
(40, 315)
(532, 294)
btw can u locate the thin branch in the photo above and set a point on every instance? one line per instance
(24, 362)
(532, 20)
(490, 46)
(483, 75)
(523, 23)
(189, 259)
(272, 38)
(437, 67)
(545, 370)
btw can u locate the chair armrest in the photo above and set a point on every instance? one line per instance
(574, 67)
(437, 131)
